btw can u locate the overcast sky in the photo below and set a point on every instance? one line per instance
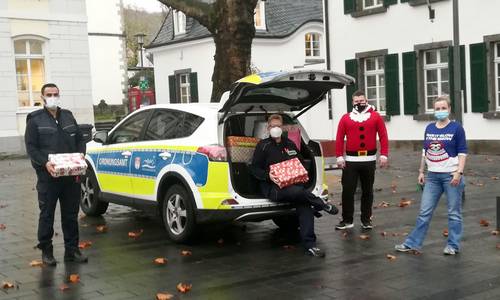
(148, 5)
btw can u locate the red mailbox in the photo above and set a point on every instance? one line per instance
(138, 98)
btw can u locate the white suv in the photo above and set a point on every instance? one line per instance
(190, 161)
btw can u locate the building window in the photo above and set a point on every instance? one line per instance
(436, 76)
(30, 71)
(368, 4)
(184, 88)
(260, 16)
(497, 75)
(374, 77)
(312, 44)
(179, 22)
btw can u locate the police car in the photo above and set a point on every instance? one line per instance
(190, 161)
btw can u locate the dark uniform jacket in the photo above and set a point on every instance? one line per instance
(46, 135)
(268, 152)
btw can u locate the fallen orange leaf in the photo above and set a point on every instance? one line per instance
(160, 261)
(364, 237)
(36, 263)
(184, 287)
(101, 228)
(445, 232)
(74, 278)
(2, 227)
(186, 253)
(395, 234)
(135, 234)
(288, 247)
(495, 232)
(164, 296)
(63, 287)
(384, 204)
(404, 202)
(484, 223)
(383, 233)
(7, 285)
(84, 244)
(390, 257)
(495, 178)
(344, 234)
(498, 246)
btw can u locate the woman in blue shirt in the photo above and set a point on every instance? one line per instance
(444, 153)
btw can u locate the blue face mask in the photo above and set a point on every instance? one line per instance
(441, 115)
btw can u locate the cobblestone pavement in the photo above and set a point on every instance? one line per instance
(249, 261)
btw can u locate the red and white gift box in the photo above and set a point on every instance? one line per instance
(289, 172)
(68, 164)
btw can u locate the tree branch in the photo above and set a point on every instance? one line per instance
(196, 9)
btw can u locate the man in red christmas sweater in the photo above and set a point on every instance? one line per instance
(361, 127)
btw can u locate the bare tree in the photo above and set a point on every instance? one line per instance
(232, 27)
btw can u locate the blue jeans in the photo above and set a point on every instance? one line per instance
(435, 185)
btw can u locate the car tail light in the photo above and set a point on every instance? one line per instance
(229, 202)
(214, 152)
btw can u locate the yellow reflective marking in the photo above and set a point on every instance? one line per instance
(217, 187)
(142, 147)
(254, 78)
(115, 183)
(143, 186)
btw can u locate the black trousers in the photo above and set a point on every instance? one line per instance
(304, 201)
(365, 172)
(67, 191)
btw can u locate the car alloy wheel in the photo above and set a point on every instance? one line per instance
(87, 193)
(176, 214)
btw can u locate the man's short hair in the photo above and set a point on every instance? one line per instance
(275, 117)
(48, 85)
(358, 93)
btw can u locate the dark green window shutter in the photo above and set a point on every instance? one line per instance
(172, 89)
(349, 6)
(410, 92)
(403, 1)
(351, 68)
(390, 2)
(462, 76)
(478, 77)
(392, 84)
(193, 85)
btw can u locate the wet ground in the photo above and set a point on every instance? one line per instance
(256, 260)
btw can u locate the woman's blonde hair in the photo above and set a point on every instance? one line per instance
(442, 98)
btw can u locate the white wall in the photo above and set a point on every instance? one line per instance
(198, 56)
(107, 46)
(398, 30)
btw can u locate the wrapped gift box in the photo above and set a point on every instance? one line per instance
(289, 172)
(68, 164)
(241, 148)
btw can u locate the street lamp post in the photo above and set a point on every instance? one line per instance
(140, 41)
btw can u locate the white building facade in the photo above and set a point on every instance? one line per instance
(402, 58)
(41, 41)
(289, 35)
(107, 51)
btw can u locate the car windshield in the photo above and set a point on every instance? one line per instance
(292, 93)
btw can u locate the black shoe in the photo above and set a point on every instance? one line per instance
(48, 257)
(331, 209)
(75, 256)
(367, 225)
(316, 252)
(344, 225)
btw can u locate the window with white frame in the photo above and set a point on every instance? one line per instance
(312, 41)
(259, 17)
(497, 75)
(184, 88)
(30, 71)
(375, 82)
(179, 22)
(368, 4)
(436, 76)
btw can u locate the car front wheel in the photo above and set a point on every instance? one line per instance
(89, 197)
(178, 214)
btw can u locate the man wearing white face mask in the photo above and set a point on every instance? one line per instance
(54, 130)
(275, 149)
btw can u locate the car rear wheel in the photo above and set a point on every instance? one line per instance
(89, 196)
(178, 214)
(287, 223)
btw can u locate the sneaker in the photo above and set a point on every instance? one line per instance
(315, 251)
(75, 256)
(331, 209)
(367, 225)
(403, 248)
(448, 250)
(344, 225)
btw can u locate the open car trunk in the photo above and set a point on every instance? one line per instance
(247, 130)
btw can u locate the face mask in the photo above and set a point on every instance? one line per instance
(360, 107)
(275, 132)
(441, 115)
(52, 102)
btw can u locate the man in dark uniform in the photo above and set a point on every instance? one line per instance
(275, 149)
(54, 130)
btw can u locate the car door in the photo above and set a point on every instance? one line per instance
(114, 158)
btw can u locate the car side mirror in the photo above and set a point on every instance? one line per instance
(101, 137)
